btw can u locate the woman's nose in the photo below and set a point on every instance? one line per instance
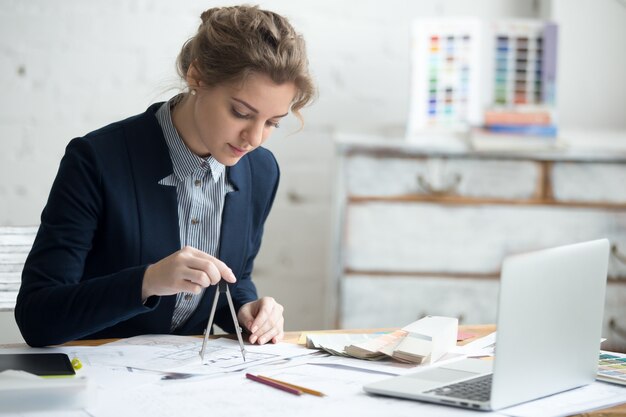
(253, 135)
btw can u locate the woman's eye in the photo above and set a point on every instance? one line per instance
(238, 114)
(244, 116)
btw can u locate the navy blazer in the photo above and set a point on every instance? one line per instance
(107, 218)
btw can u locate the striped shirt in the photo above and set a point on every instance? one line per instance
(201, 187)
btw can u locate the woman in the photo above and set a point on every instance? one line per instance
(189, 173)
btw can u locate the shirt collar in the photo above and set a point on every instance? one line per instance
(184, 161)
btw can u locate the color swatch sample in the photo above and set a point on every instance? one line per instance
(445, 66)
(612, 366)
(448, 82)
(523, 50)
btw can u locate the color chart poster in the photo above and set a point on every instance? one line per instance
(516, 51)
(446, 74)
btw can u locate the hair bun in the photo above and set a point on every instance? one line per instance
(206, 15)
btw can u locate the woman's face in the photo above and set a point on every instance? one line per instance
(227, 121)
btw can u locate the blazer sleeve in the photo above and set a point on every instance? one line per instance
(57, 302)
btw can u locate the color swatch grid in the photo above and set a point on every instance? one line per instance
(518, 70)
(612, 367)
(448, 78)
(445, 72)
(518, 62)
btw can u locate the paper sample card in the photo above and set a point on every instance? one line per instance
(440, 331)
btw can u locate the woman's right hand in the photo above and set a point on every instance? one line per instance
(187, 270)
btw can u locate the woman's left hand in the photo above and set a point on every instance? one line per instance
(264, 320)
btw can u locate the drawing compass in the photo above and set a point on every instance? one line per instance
(222, 287)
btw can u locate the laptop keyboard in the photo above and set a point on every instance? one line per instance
(477, 389)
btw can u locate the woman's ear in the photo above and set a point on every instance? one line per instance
(193, 77)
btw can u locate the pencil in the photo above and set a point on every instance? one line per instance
(287, 384)
(274, 384)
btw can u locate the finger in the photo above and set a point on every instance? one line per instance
(271, 327)
(190, 252)
(225, 271)
(252, 339)
(204, 261)
(275, 333)
(244, 316)
(281, 333)
(190, 287)
(265, 307)
(279, 337)
(206, 267)
(259, 322)
(271, 332)
(213, 273)
(197, 277)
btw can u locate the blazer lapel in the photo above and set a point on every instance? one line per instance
(157, 204)
(235, 218)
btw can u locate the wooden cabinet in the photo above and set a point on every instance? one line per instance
(425, 231)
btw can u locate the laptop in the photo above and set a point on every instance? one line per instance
(550, 309)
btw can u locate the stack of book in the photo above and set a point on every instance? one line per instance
(519, 128)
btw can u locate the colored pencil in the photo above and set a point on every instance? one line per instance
(287, 384)
(274, 384)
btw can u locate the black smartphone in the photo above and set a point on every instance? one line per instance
(42, 364)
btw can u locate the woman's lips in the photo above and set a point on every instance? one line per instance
(237, 151)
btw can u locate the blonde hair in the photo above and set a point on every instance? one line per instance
(233, 42)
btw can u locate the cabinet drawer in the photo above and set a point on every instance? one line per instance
(432, 238)
(370, 301)
(590, 182)
(469, 177)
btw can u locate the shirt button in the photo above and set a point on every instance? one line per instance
(197, 183)
(188, 297)
(195, 221)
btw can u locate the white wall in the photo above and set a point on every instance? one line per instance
(9, 333)
(592, 63)
(69, 67)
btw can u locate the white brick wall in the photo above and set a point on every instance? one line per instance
(68, 67)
